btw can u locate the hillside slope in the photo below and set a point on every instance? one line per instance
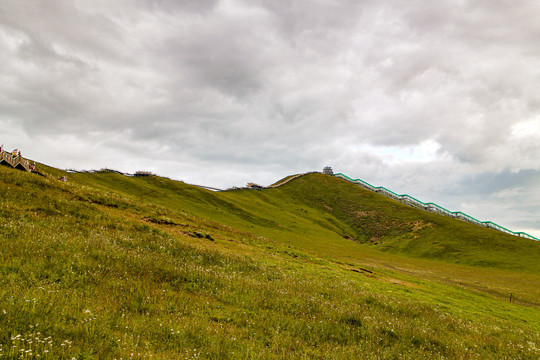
(106, 266)
(392, 226)
(315, 210)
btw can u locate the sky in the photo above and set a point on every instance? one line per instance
(437, 99)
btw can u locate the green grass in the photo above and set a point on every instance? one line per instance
(106, 267)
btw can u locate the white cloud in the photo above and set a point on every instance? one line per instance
(527, 129)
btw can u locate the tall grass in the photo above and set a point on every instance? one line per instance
(88, 271)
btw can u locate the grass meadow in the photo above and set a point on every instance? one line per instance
(108, 267)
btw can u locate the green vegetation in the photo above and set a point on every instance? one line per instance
(108, 267)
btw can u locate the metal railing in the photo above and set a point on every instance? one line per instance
(432, 207)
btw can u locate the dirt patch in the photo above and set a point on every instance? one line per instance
(364, 214)
(163, 221)
(375, 239)
(360, 270)
(419, 225)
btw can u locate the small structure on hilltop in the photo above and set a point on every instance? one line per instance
(328, 170)
(254, 186)
(143, 173)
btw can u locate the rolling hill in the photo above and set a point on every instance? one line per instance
(109, 266)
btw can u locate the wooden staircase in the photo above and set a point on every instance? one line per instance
(17, 161)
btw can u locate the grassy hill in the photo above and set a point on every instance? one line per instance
(106, 266)
(332, 210)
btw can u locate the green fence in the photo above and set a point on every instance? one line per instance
(432, 207)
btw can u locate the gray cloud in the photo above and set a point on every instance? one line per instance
(439, 100)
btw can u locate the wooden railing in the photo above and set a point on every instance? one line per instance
(16, 161)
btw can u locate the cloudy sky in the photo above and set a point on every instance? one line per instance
(438, 99)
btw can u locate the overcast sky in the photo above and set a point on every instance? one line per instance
(438, 99)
